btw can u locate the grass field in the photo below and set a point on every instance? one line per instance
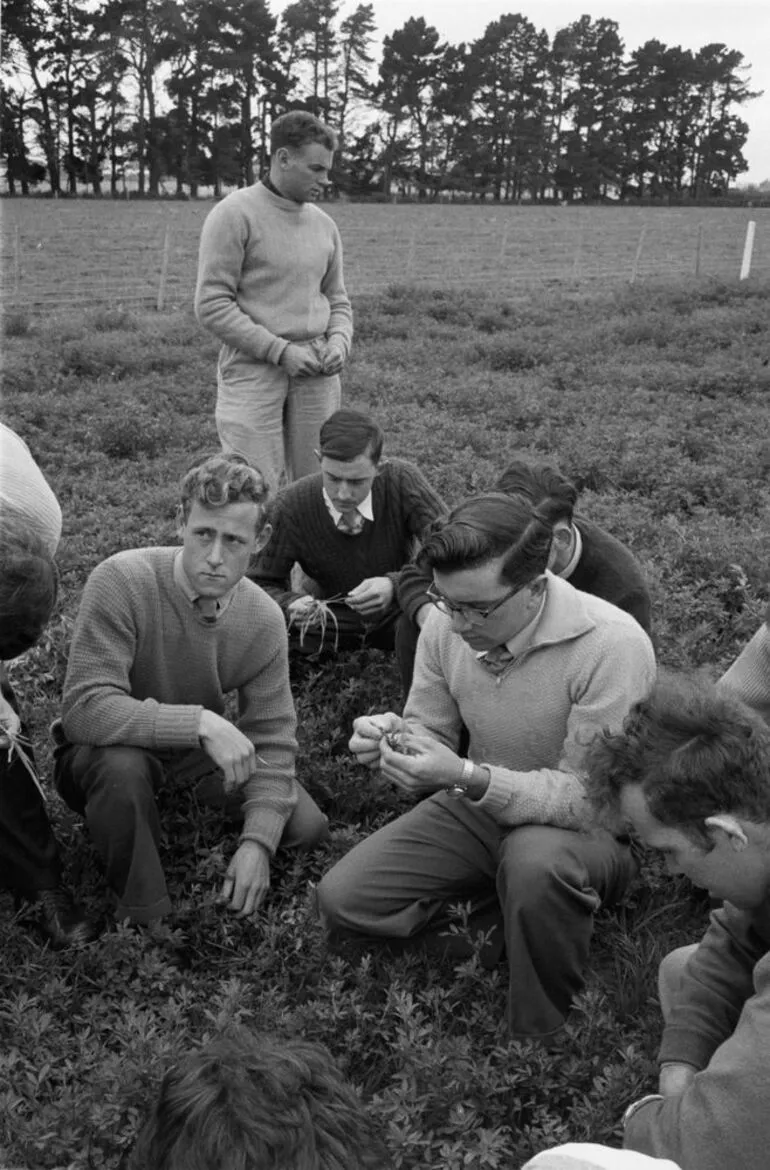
(655, 399)
(56, 253)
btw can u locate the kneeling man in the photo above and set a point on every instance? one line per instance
(533, 669)
(690, 776)
(161, 637)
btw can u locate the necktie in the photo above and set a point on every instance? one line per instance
(497, 659)
(207, 608)
(351, 523)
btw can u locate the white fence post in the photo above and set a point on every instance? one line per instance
(412, 246)
(16, 261)
(748, 249)
(638, 256)
(163, 272)
(578, 252)
(698, 249)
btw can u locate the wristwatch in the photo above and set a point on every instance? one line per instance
(461, 787)
(635, 1106)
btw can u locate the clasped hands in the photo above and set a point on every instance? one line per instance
(418, 765)
(309, 359)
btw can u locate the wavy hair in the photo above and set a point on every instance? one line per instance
(224, 479)
(545, 486)
(299, 127)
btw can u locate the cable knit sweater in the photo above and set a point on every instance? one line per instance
(270, 272)
(749, 675)
(143, 664)
(582, 667)
(25, 492)
(403, 503)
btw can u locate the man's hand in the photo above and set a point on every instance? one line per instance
(10, 723)
(247, 880)
(229, 748)
(372, 596)
(368, 730)
(333, 357)
(300, 361)
(299, 607)
(420, 765)
(675, 1078)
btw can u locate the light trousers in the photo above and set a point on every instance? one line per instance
(545, 884)
(273, 420)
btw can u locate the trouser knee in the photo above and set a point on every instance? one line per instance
(120, 779)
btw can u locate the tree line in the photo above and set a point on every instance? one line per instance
(185, 90)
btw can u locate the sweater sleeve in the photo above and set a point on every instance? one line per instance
(722, 1118)
(97, 705)
(619, 671)
(340, 325)
(749, 675)
(422, 505)
(268, 718)
(271, 569)
(220, 262)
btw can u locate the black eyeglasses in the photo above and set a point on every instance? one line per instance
(473, 613)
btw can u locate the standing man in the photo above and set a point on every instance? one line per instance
(161, 637)
(30, 527)
(690, 777)
(533, 669)
(271, 288)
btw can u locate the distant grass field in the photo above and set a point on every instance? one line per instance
(655, 400)
(57, 254)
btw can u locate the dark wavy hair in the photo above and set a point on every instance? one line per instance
(224, 479)
(694, 749)
(485, 527)
(346, 434)
(29, 585)
(299, 127)
(257, 1102)
(545, 486)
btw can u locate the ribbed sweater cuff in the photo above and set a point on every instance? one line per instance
(275, 351)
(176, 726)
(682, 1044)
(500, 791)
(265, 826)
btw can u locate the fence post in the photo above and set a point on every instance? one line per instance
(578, 252)
(163, 271)
(748, 249)
(503, 242)
(16, 261)
(698, 249)
(638, 256)
(412, 246)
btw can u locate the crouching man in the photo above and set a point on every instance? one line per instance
(161, 637)
(690, 776)
(533, 669)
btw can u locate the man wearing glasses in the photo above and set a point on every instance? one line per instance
(533, 669)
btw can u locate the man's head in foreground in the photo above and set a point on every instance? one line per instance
(29, 585)
(221, 522)
(301, 155)
(254, 1102)
(690, 777)
(488, 559)
(553, 495)
(350, 447)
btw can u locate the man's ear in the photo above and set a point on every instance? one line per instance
(179, 517)
(263, 538)
(727, 825)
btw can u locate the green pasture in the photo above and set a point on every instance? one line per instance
(654, 398)
(58, 253)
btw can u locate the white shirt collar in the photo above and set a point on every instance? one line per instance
(365, 508)
(517, 643)
(577, 552)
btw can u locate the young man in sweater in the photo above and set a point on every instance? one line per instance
(271, 288)
(162, 636)
(351, 527)
(533, 669)
(689, 777)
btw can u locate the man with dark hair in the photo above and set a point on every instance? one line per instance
(689, 776)
(30, 527)
(350, 527)
(533, 669)
(581, 552)
(271, 288)
(246, 1102)
(161, 637)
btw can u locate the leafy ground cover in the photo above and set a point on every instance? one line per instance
(655, 401)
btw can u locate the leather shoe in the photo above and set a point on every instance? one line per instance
(62, 921)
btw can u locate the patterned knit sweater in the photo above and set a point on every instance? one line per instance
(583, 666)
(270, 272)
(143, 665)
(749, 675)
(403, 503)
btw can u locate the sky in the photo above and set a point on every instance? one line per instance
(739, 24)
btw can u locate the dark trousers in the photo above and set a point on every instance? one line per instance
(347, 630)
(114, 789)
(29, 856)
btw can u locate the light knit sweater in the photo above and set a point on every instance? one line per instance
(24, 491)
(270, 273)
(749, 675)
(580, 670)
(143, 665)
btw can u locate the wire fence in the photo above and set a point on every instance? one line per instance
(70, 255)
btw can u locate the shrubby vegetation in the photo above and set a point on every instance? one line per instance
(656, 402)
